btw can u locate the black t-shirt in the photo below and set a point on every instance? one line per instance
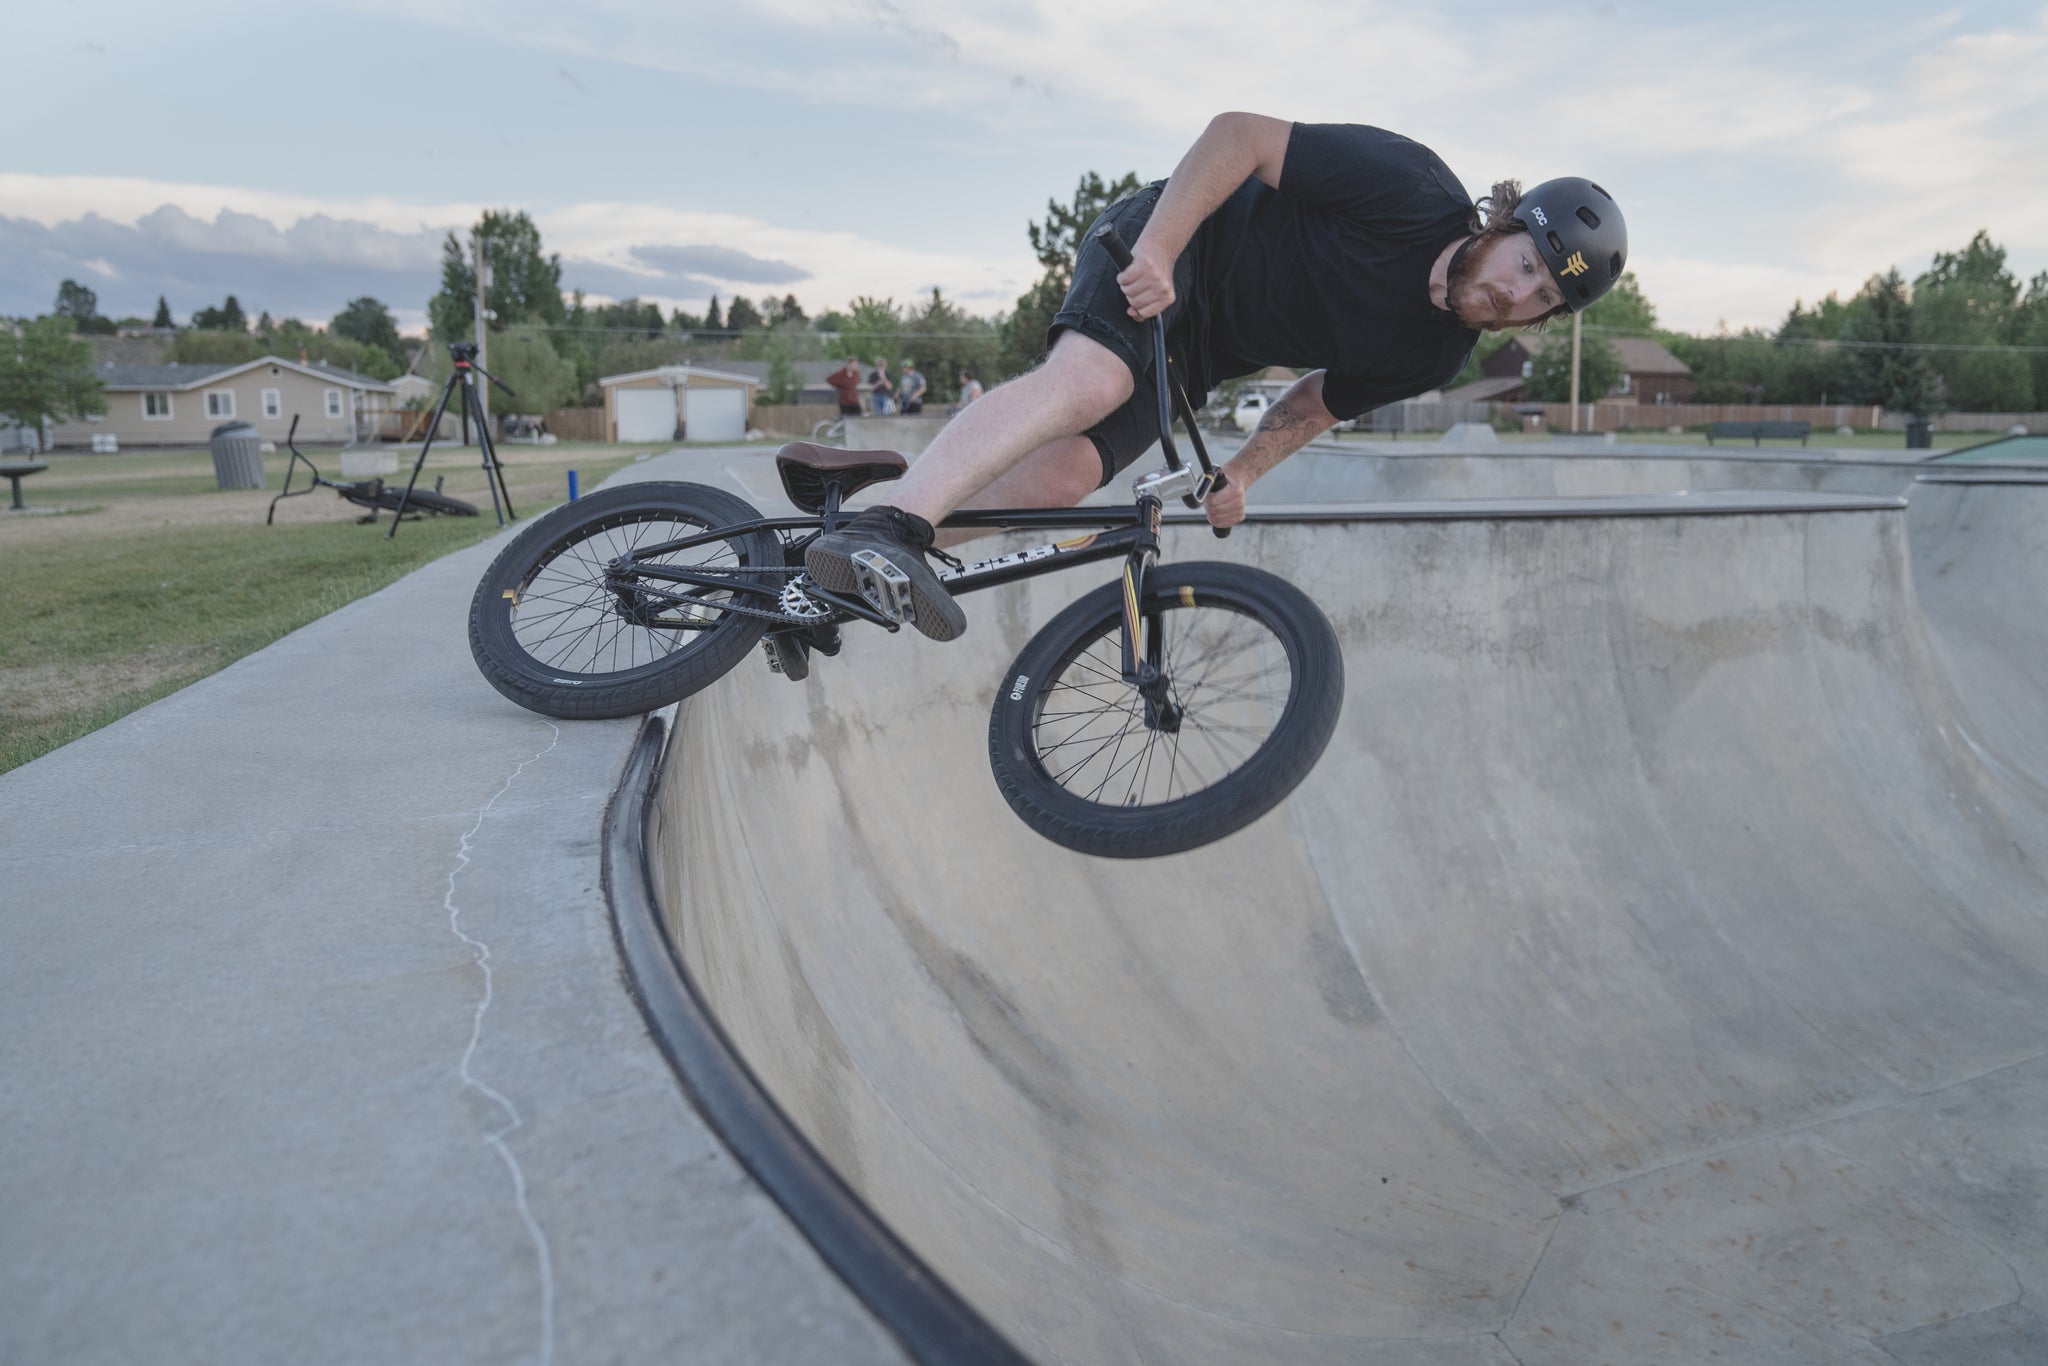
(1331, 271)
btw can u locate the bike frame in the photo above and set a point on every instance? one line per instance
(1129, 530)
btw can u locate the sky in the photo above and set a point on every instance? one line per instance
(300, 156)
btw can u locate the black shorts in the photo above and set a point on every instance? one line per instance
(1095, 307)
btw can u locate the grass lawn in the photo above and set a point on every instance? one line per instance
(152, 577)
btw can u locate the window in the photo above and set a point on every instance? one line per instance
(273, 404)
(156, 407)
(333, 402)
(220, 403)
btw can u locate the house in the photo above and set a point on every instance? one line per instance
(171, 404)
(1649, 372)
(678, 403)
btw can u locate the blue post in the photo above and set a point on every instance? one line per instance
(572, 486)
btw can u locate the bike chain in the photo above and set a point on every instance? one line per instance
(788, 612)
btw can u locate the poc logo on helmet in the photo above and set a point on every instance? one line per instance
(1537, 214)
(1017, 688)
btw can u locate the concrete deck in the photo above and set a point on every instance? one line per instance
(313, 1045)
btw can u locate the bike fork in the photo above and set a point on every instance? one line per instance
(1144, 644)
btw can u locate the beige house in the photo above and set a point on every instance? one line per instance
(180, 405)
(678, 403)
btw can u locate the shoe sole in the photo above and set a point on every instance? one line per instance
(933, 611)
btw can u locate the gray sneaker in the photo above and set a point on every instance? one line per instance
(880, 556)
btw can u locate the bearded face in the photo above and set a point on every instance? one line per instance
(1501, 283)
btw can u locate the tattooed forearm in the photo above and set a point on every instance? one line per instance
(1288, 425)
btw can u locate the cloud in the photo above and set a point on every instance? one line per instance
(308, 269)
(300, 258)
(706, 261)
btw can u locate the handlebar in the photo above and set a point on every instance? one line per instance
(1119, 251)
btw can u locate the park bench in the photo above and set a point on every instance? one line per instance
(18, 470)
(1757, 431)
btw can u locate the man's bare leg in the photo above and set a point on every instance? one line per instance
(1081, 383)
(1033, 422)
(1058, 474)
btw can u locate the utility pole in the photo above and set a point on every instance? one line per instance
(1576, 320)
(483, 282)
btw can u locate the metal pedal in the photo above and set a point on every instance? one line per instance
(883, 585)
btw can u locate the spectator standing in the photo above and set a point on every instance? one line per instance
(910, 394)
(845, 382)
(883, 398)
(970, 388)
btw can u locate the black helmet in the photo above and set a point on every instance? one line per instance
(1579, 230)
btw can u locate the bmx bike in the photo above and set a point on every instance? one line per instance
(1154, 714)
(373, 493)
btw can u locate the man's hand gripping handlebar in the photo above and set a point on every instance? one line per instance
(1210, 478)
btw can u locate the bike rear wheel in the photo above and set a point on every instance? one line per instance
(1253, 681)
(556, 631)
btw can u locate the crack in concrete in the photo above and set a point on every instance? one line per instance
(544, 1263)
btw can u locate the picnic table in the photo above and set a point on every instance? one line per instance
(18, 470)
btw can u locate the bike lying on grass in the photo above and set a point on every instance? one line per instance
(373, 494)
(1153, 715)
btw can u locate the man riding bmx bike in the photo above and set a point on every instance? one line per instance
(1346, 252)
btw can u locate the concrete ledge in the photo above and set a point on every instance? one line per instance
(910, 435)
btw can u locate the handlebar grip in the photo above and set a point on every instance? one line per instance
(1221, 481)
(1113, 243)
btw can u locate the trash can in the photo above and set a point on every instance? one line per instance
(1919, 434)
(237, 456)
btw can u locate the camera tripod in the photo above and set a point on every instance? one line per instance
(464, 378)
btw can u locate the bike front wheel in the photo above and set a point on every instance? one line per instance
(564, 624)
(1250, 681)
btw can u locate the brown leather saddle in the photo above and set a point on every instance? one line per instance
(814, 476)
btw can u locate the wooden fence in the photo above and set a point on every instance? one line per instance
(576, 424)
(792, 419)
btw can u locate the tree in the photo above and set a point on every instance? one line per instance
(786, 312)
(712, 321)
(944, 341)
(1968, 299)
(1879, 330)
(46, 371)
(82, 307)
(1623, 308)
(1057, 244)
(369, 322)
(1814, 368)
(76, 302)
(1550, 378)
(742, 316)
(873, 329)
(541, 377)
(526, 285)
(2030, 329)
(227, 318)
(163, 314)
(783, 384)
(628, 316)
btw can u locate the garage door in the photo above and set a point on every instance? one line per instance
(646, 414)
(715, 414)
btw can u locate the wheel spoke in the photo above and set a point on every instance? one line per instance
(1228, 680)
